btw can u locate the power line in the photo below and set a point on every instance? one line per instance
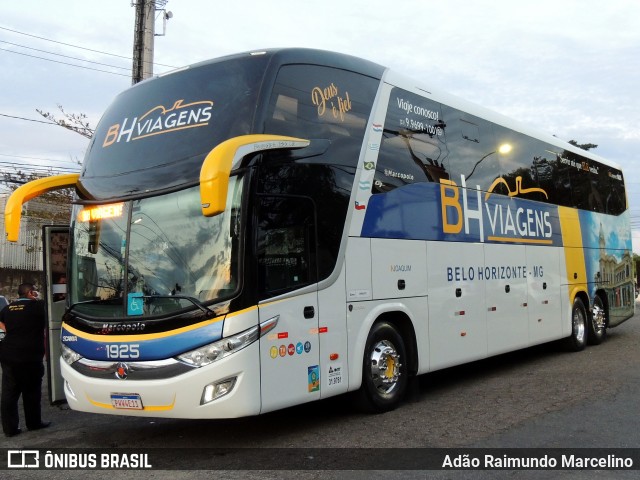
(19, 165)
(63, 63)
(27, 119)
(70, 128)
(10, 172)
(36, 158)
(77, 46)
(23, 166)
(65, 56)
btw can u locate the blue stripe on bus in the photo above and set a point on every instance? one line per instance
(414, 212)
(148, 349)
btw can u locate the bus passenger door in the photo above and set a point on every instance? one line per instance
(55, 242)
(286, 260)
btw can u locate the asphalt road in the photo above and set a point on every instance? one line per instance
(542, 397)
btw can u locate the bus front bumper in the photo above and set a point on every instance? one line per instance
(187, 395)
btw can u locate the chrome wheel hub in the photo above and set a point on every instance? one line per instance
(385, 366)
(578, 325)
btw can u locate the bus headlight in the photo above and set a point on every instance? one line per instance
(222, 348)
(69, 355)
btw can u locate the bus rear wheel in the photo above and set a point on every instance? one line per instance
(384, 369)
(597, 322)
(578, 338)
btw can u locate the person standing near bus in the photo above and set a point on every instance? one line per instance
(21, 354)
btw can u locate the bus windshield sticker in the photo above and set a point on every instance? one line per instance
(135, 304)
(331, 98)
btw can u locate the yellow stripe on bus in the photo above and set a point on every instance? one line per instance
(150, 336)
(140, 337)
(573, 250)
(532, 241)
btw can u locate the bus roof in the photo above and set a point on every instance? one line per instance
(303, 56)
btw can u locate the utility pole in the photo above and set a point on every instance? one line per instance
(144, 35)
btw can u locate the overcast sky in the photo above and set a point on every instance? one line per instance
(571, 68)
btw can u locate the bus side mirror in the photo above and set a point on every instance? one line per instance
(224, 158)
(24, 193)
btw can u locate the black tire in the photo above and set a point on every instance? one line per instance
(579, 329)
(597, 322)
(384, 370)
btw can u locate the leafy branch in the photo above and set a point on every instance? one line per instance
(583, 146)
(76, 122)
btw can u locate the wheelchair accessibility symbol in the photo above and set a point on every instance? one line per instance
(135, 304)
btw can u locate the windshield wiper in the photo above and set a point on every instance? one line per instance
(118, 301)
(97, 301)
(193, 300)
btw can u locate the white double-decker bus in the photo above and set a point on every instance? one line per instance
(272, 228)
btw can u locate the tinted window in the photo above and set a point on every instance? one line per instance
(614, 197)
(472, 150)
(412, 148)
(426, 141)
(576, 181)
(331, 107)
(316, 102)
(328, 186)
(525, 164)
(285, 244)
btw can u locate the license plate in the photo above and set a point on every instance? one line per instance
(126, 401)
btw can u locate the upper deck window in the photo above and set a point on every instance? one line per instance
(171, 120)
(316, 102)
(425, 141)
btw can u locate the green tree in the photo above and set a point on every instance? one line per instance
(583, 146)
(55, 205)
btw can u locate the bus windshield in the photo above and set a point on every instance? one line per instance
(154, 256)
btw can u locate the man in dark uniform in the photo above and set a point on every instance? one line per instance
(21, 353)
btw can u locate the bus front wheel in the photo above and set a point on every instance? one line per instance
(578, 338)
(384, 369)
